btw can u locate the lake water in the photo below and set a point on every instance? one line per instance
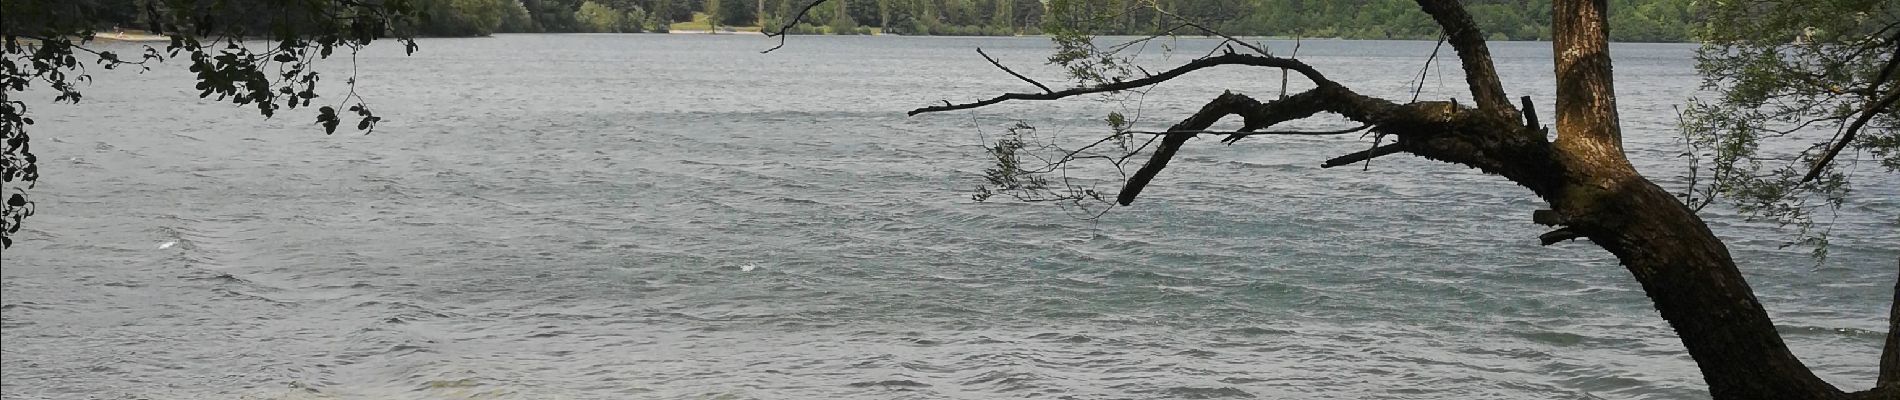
(674, 216)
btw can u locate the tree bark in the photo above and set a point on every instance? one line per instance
(1473, 54)
(1684, 268)
(1694, 283)
(1890, 357)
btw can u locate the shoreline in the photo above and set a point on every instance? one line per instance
(129, 36)
(1275, 38)
(701, 32)
(145, 37)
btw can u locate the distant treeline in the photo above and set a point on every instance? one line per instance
(909, 17)
(1631, 20)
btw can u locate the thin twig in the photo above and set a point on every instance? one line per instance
(1283, 72)
(789, 24)
(999, 65)
(1125, 45)
(1207, 30)
(1427, 68)
(1251, 133)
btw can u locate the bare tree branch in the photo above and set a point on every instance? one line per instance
(1255, 116)
(1423, 71)
(1228, 103)
(1191, 133)
(1559, 235)
(1224, 59)
(1204, 29)
(1244, 133)
(1364, 155)
(999, 65)
(1530, 114)
(1295, 55)
(1464, 36)
(780, 34)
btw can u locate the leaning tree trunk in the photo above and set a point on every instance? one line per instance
(1683, 267)
(1593, 190)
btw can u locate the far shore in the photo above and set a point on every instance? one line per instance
(137, 36)
(700, 32)
(130, 36)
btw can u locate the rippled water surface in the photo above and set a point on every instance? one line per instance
(655, 216)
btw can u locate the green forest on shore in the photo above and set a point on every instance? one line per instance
(1634, 20)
